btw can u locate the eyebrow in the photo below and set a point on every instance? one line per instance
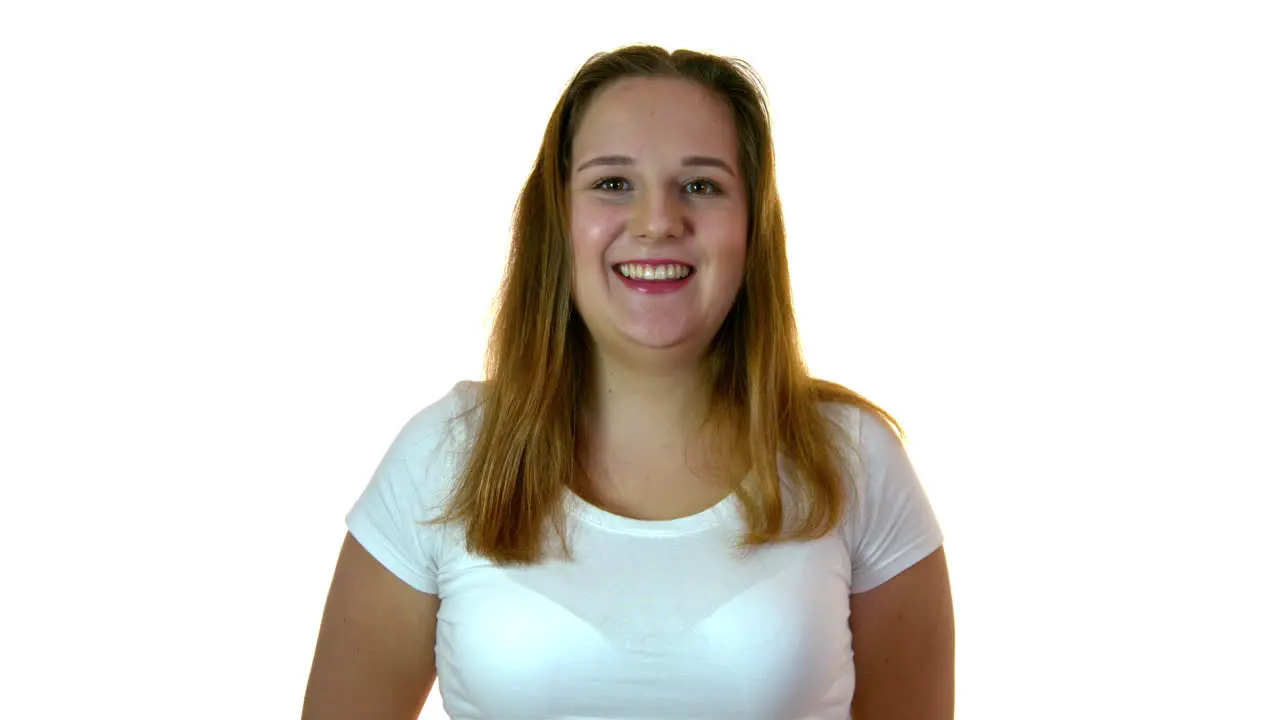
(690, 161)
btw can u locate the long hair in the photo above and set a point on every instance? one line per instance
(524, 454)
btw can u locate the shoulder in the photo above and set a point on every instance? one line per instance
(443, 421)
(863, 437)
(431, 444)
(889, 523)
(873, 457)
(412, 483)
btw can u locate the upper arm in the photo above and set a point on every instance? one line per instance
(904, 645)
(375, 655)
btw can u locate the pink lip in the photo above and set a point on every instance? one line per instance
(655, 287)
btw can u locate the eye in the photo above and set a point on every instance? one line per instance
(712, 188)
(603, 181)
(709, 187)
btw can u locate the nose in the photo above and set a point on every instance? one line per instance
(656, 216)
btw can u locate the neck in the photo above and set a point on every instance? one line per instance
(646, 407)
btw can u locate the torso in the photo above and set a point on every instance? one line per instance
(657, 614)
(661, 619)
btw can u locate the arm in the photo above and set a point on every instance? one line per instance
(904, 645)
(375, 656)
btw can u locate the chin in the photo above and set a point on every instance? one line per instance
(656, 341)
(657, 336)
(666, 332)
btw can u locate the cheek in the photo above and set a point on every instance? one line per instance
(590, 233)
(729, 249)
(591, 230)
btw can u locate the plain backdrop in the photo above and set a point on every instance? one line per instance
(243, 242)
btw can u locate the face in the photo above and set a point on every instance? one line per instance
(659, 216)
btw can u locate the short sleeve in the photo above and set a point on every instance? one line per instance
(408, 488)
(892, 526)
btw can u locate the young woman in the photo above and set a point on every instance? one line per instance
(648, 509)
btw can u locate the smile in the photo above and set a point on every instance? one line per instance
(663, 271)
(658, 277)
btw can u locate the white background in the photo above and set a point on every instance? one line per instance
(243, 242)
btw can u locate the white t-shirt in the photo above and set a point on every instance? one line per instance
(651, 619)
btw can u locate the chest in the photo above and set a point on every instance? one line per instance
(654, 488)
(650, 627)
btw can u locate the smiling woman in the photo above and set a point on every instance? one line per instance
(654, 220)
(649, 508)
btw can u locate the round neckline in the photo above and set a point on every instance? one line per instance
(711, 517)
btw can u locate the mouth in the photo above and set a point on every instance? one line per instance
(654, 277)
(654, 272)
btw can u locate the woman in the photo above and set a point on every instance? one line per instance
(648, 509)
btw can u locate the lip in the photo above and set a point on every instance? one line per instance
(654, 287)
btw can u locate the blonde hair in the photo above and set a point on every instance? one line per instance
(524, 455)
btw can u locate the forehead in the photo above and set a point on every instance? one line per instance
(668, 116)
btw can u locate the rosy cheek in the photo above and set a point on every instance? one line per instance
(592, 232)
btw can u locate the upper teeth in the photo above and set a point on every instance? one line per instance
(639, 271)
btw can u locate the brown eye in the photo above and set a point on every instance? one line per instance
(711, 188)
(604, 181)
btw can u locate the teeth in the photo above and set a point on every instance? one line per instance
(670, 271)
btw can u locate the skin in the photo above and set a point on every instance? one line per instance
(904, 645)
(645, 443)
(375, 655)
(656, 207)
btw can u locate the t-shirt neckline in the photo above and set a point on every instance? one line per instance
(714, 516)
